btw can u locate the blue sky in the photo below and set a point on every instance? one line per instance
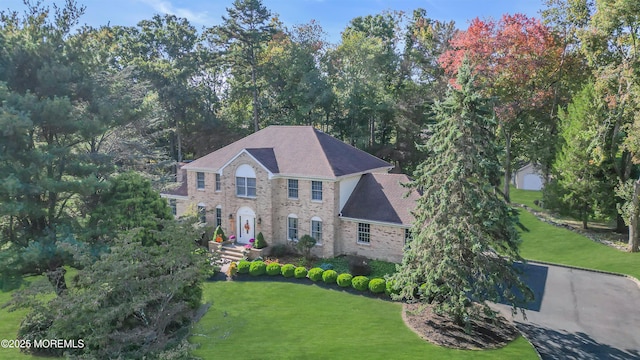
(332, 15)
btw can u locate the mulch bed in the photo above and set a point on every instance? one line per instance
(442, 331)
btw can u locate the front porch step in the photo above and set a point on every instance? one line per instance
(231, 252)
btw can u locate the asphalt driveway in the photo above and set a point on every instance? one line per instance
(581, 314)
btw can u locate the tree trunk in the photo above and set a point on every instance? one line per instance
(179, 144)
(633, 222)
(621, 226)
(56, 278)
(256, 120)
(507, 166)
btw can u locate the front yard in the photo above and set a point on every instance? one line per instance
(279, 320)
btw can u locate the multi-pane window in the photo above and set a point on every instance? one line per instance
(292, 225)
(364, 233)
(407, 236)
(316, 190)
(293, 188)
(316, 230)
(202, 214)
(174, 206)
(218, 183)
(200, 180)
(246, 186)
(218, 216)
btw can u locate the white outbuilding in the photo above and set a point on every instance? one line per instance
(529, 177)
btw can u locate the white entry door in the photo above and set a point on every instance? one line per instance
(246, 225)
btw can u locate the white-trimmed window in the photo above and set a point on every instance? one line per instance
(202, 213)
(245, 181)
(219, 215)
(292, 227)
(364, 233)
(316, 229)
(292, 186)
(218, 183)
(200, 180)
(407, 236)
(173, 204)
(316, 190)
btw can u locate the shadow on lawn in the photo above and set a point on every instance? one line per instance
(553, 344)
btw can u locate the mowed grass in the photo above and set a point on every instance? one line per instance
(9, 324)
(279, 320)
(545, 242)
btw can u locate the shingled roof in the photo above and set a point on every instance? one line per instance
(380, 197)
(295, 151)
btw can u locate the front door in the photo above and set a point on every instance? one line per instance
(246, 225)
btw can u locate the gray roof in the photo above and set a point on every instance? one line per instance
(180, 190)
(380, 197)
(295, 151)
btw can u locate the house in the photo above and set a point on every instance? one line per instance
(288, 181)
(529, 177)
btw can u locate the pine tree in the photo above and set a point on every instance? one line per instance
(465, 238)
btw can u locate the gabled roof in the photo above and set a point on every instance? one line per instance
(295, 151)
(380, 197)
(180, 190)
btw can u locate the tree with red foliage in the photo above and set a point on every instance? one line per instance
(514, 59)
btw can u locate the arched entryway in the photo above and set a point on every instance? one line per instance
(246, 225)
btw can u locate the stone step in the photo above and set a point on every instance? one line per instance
(233, 253)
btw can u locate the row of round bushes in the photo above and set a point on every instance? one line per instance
(361, 283)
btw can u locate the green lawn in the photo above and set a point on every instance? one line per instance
(549, 243)
(274, 320)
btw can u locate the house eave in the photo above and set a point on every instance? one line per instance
(375, 222)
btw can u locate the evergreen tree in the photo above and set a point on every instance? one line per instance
(465, 238)
(583, 186)
(136, 301)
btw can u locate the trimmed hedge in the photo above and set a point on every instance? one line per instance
(315, 274)
(288, 270)
(257, 268)
(344, 280)
(377, 285)
(360, 283)
(300, 272)
(329, 276)
(243, 266)
(273, 269)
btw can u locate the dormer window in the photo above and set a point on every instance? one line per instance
(245, 181)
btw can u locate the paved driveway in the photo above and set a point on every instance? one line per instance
(581, 314)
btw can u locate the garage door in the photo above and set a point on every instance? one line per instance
(532, 182)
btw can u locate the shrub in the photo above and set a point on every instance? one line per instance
(326, 266)
(344, 280)
(377, 285)
(259, 242)
(315, 274)
(360, 283)
(243, 267)
(381, 268)
(288, 270)
(232, 270)
(300, 272)
(279, 249)
(329, 276)
(305, 244)
(257, 268)
(359, 266)
(219, 233)
(273, 269)
(390, 288)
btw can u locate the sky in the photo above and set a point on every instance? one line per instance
(332, 15)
